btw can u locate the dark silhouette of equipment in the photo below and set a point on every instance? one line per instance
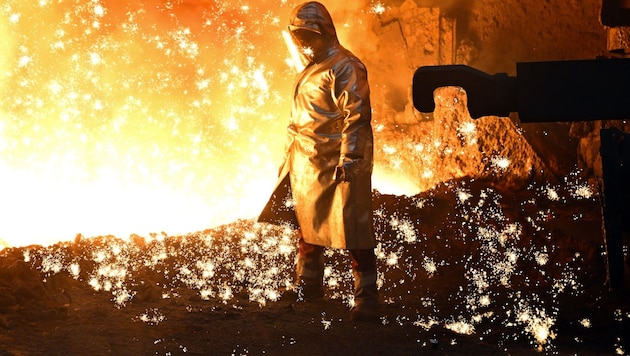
(566, 91)
(540, 92)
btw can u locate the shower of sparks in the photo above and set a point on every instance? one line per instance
(139, 117)
(257, 260)
(132, 118)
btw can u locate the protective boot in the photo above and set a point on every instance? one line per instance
(365, 297)
(310, 277)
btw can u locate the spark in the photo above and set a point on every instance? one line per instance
(541, 258)
(429, 265)
(426, 324)
(538, 324)
(583, 191)
(463, 196)
(389, 149)
(461, 327)
(501, 163)
(392, 259)
(75, 270)
(325, 322)
(98, 10)
(95, 58)
(405, 229)
(152, 317)
(52, 263)
(378, 8)
(23, 61)
(307, 51)
(257, 258)
(467, 132)
(552, 194)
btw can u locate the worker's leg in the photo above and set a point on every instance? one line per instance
(310, 269)
(365, 288)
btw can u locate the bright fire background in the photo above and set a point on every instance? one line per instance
(138, 117)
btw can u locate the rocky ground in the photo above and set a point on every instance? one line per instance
(464, 268)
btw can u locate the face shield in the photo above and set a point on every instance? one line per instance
(309, 42)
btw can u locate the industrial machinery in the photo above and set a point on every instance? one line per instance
(561, 91)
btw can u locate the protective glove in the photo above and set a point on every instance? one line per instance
(346, 170)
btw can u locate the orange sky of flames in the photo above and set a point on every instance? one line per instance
(120, 118)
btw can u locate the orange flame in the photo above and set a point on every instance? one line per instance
(121, 118)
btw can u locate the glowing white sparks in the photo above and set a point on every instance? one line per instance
(152, 317)
(541, 258)
(463, 195)
(552, 193)
(426, 324)
(75, 269)
(14, 18)
(98, 10)
(95, 58)
(586, 323)
(461, 327)
(405, 229)
(378, 8)
(52, 263)
(325, 322)
(467, 133)
(23, 61)
(467, 127)
(389, 149)
(501, 163)
(538, 324)
(392, 259)
(583, 191)
(485, 300)
(427, 174)
(257, 259)
(429, 265)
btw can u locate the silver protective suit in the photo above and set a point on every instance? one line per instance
(329, 128)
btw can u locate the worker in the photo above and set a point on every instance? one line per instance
(324, 186)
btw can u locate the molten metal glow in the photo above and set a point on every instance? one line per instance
(138, 117)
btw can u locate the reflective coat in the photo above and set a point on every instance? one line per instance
(329, 125)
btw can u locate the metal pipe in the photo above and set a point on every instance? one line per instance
(570, 91)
